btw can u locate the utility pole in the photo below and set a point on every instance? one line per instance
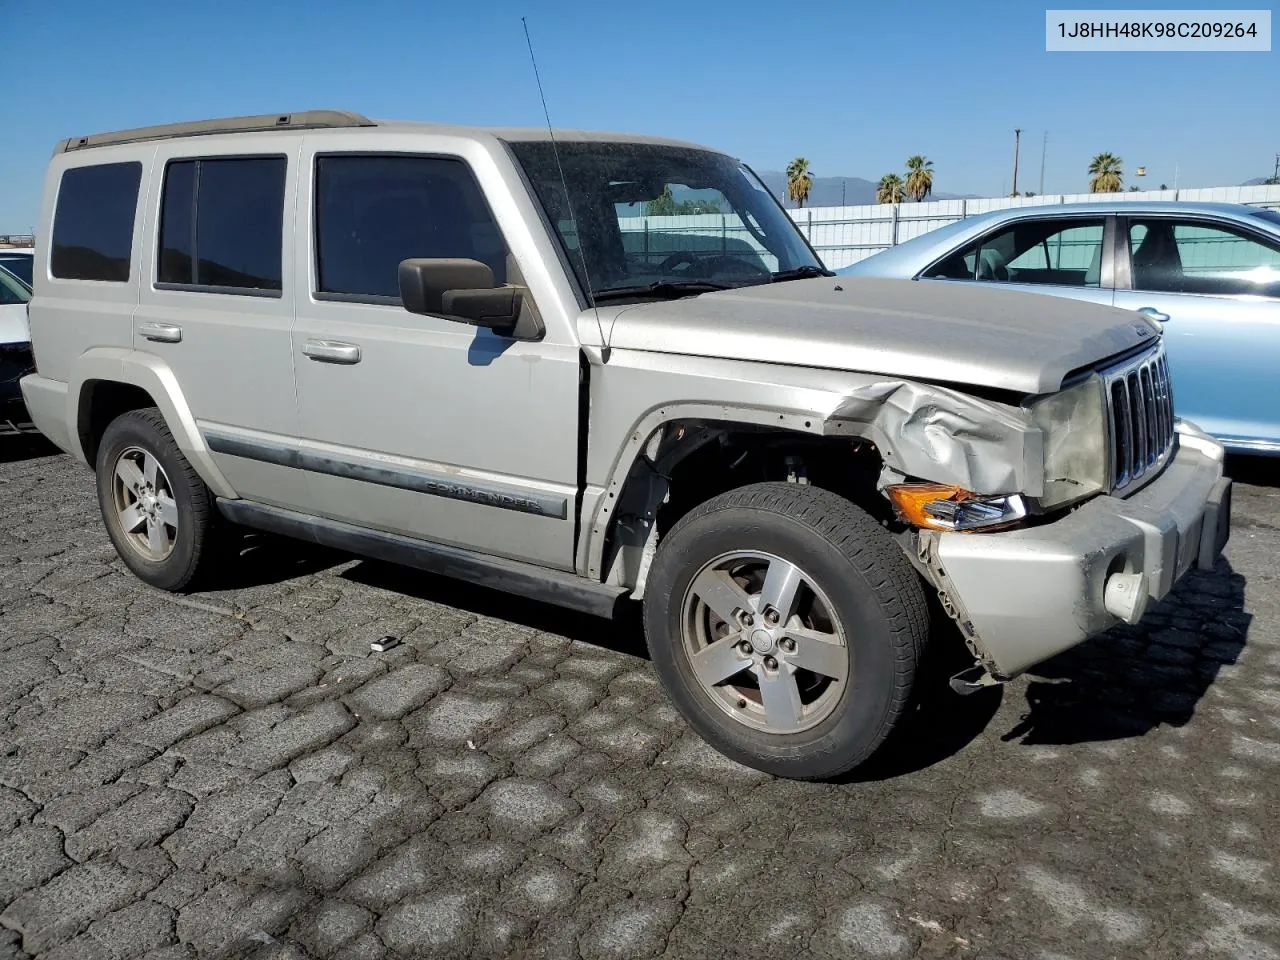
(1017, 137)
(1043, 148)
(1276, 176)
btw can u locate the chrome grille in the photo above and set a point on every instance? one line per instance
(1140, 414)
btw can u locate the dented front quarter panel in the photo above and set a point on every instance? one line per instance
(943, 435)
(925, 431)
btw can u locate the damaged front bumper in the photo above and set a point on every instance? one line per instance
(1024, 595)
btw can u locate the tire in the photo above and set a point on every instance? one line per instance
(857, 588)
(141, 437)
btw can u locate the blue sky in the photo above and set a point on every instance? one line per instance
(853, 87)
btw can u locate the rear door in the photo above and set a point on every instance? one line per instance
(1215, 287)
(1062, 256)
(216, 304)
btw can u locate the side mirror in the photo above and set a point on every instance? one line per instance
(464, 290)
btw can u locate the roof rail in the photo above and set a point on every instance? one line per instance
(306, 120)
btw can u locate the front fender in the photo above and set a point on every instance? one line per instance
(149, 373)
(920, 430)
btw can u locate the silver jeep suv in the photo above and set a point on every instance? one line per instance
(588, 368)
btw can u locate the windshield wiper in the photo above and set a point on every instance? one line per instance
(802, 273)
(668, 289)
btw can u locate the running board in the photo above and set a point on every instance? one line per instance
(509, 576)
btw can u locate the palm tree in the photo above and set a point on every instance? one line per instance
(1105, 174)
(799, 182)
(919, 177)
(890, 189)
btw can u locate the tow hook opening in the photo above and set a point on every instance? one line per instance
(973, 679)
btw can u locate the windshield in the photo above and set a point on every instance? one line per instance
(12, 290)
(651, 214)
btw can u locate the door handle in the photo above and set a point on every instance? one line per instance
(1154, 314)
(331, 351)
(161, 332)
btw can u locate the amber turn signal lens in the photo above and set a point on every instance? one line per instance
(910, 499)
(937, 506)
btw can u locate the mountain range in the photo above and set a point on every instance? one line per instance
(837, 191)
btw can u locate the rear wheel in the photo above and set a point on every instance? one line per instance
(157, 511)
(786, 625)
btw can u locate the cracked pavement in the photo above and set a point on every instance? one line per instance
(234, 774)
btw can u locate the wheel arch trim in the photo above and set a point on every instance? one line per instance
(598, 518)
(157, 379)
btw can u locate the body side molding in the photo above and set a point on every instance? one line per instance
(450, 486)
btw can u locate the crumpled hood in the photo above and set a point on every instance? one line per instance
(13, 324)
(919, 330)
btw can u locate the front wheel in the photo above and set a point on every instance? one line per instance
(786, 626)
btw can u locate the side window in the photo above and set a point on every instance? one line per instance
(1171, 256)
(371, 212)
(93, 222)
(1062, 252)
(221, 224)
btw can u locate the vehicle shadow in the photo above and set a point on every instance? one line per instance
(1253, 470)
(939, 722)
(1132, 679)
(260, 559)
(1120, 684)
(26, 446)
(624, 634)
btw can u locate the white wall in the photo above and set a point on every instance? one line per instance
(844, 235)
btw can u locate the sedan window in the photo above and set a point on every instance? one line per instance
(1062, 252)
(19, 264)
(12, 290)
(1171, 256)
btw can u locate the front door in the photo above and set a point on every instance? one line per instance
(418, 425)
(1216, 290)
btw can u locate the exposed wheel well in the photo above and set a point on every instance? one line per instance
(688, 462)
(101, 401)
(847, 466)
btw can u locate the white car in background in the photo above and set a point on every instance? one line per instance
(20, 261)
(15, 353)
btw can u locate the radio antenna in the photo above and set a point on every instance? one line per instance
(573, 219)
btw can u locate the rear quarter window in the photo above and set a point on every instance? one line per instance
(93, 222)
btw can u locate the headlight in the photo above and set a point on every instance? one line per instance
(1073, 422)
(937, 506)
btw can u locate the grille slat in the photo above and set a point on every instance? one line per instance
(1138, 425)
(1151, 412)
(1140, 410)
